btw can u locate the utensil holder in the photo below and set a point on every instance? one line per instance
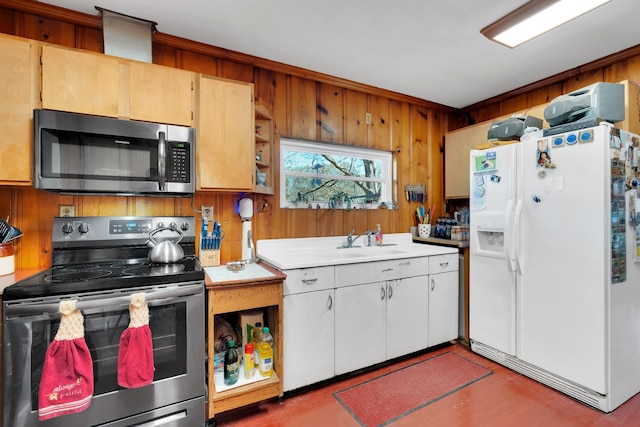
(424, 230)
(209, 257)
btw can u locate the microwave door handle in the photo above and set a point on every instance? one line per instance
(162, 154)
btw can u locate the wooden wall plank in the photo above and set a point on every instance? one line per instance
(196, 62)
(45, 29)
(400, 129)
(330, 113)
(6, 20)
(301, 111)
(379, 131)
(163, 55)
(356, 131)
(235, 71)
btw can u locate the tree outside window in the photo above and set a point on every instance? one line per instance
(315, 174)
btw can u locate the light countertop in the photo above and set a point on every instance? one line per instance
(295, 253)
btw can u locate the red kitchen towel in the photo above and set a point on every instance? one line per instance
(66, 385)
(135, 356)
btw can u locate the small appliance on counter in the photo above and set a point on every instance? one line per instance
(246, 213)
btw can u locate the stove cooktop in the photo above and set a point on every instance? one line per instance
(103, 276)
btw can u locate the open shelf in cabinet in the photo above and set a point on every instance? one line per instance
(264, 136)
(236, 296)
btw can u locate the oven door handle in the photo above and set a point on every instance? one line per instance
(163, 296)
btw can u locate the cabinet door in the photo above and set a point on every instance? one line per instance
(225, 136)
(360, 326)
(79, 81)
(16, 108)
(160, 94)
(308, 338)
(443, 307)
(407, 315)
(457, 145)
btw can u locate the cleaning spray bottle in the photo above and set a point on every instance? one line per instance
(378, 235)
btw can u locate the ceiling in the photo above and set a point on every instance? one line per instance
(429, 49)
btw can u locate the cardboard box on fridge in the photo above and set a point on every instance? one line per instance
(248, 320)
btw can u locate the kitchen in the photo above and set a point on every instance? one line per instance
(414, 126)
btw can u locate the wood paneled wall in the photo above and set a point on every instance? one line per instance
(624, 65)
(305, 105)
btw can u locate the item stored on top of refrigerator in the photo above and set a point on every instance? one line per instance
(513, 128)
(585, 107)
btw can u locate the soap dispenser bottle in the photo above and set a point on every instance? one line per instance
(378, 235)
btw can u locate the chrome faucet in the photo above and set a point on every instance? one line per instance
(351, 239)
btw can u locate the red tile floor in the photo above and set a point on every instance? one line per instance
(504, 398)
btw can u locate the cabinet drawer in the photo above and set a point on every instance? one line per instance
(308, 280)
(370, 272)
(443, 263)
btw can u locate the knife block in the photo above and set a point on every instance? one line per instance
(209, 257)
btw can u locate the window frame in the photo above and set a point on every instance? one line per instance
(317, 147)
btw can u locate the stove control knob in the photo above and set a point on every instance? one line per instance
(160, 225)
(83, 228)
(173, 225)
(184, 226)
(67, 228)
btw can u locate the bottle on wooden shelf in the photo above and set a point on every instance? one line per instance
(265, 348)
(231, 364)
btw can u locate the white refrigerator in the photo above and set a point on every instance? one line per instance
(555, 261)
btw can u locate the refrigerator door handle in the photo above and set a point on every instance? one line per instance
(518, 217)
(508, 229)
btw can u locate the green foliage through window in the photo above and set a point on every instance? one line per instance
(334, 176)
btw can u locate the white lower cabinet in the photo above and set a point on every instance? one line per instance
(361, 331)
(308, 326)
(380, 321)
(308, 338)
(443, 299)
(338, 319)
(407, 316)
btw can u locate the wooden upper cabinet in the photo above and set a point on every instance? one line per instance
(79, 81)
(160, 94)
(225, 135)
(17, 101)
(457, 145)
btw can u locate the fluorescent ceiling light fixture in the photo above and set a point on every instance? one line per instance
(536, 17)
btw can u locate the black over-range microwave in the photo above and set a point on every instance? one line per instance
(78, 153)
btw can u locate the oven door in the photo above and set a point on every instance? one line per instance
(176, 320)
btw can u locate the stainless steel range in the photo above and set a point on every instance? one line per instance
(100, 262)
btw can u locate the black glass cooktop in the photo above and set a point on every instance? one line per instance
(101, 276)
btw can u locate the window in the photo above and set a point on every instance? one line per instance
(322, 175)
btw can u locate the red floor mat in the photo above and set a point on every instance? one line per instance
(389, 397)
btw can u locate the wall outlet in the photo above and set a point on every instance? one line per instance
(67, 210)
(367, 118)
(207, 212)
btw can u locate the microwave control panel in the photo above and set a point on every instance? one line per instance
(178, 164)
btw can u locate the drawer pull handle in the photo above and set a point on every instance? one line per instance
(444, 264)
(387, 269)
(309, 281)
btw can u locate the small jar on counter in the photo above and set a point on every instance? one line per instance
(7, 259)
